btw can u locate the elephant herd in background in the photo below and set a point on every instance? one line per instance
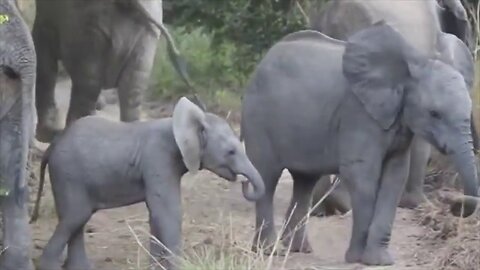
(373, 84)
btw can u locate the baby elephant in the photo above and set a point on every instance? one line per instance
(100, 164)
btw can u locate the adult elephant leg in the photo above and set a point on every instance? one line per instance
(83, 98)
(392, 183)
(14, 145)
(294, 235)
(413, 194)
(46, 46)
(87, 73)
(135, 77)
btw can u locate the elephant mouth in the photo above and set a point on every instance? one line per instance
(227, 173)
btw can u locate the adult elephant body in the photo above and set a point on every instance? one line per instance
(358, 105)
(102, 44)
(17, 117)
(423, 24)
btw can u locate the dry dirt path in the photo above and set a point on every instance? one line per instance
(214, 214)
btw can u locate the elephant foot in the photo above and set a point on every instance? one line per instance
(319, 211)
(297, 243)
(354, 255)
(48, 126)
(412, 200)
(49, 265)
(269, 246)
(377, 256)
(346, 214)
(78, 266)
(13, 261)
(45, 134)
(101, 103)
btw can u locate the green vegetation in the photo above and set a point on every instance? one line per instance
(222, 42)
(211, 70)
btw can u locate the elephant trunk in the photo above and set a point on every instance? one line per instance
(464, 160)
(253, 178)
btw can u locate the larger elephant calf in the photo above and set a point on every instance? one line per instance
(359, 104)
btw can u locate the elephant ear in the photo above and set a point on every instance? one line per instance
(376, 67)
(455, 53)
(188, 125)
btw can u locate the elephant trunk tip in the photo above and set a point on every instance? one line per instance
(461, 205)
(251, 195)
(464, 207)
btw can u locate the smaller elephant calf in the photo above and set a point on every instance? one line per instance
(99, 164)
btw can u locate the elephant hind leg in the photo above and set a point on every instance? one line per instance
(294, 235)
(46, 45)
(73, 210)
(134, 79)
(262, 157)
(83, 99)
(77, 256)
(413, 195)
(68, 225)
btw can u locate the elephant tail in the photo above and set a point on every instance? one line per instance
(179, 63)
(43, 166)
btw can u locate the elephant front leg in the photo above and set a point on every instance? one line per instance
(362, 178)
(413, 194)
(295, 236)
(392, 184)
(165, 226)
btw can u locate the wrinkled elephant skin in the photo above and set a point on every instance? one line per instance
(17, 117)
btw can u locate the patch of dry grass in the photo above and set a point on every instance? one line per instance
(222, 249)
(456, 241)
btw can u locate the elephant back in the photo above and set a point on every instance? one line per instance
(312, 36)
(404, 16)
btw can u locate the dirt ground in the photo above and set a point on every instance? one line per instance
(214, 213)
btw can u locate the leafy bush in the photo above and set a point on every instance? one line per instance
(212, 71)
(253, 26)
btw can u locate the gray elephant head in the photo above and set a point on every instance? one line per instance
(395, 82)
(206, 141)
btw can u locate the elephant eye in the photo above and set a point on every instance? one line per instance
(435, 114)
(231, 152)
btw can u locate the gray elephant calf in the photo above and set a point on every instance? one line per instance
(99, 164)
